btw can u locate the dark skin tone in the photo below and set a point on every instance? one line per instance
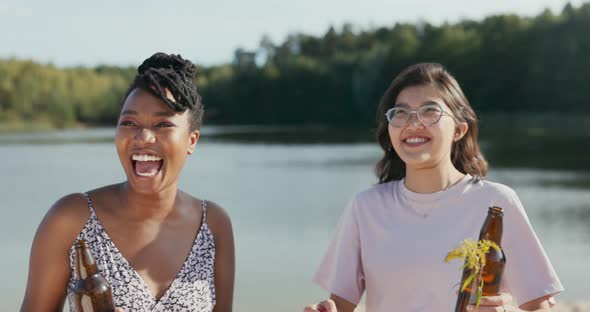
(142, 215)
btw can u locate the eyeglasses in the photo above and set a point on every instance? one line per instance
(428, 115)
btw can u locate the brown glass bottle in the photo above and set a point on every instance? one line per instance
(92, 292)
(495, 262)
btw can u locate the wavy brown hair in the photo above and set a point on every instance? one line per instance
(465, 153)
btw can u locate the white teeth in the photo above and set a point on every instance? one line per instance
(416, 140)
(146, 158)
(146, 174)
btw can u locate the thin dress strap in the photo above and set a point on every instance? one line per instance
(204, 211)
(90, 206)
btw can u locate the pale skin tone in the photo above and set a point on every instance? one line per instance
(151, 221)
(429, 169)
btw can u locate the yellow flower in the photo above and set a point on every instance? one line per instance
(474, 255)
(472, 252)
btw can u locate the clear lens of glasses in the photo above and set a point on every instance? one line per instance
(428, 115)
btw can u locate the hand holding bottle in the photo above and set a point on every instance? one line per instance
(324, 306)
(490, 275)
(501, 302)
(92, 291)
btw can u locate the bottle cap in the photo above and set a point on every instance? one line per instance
(496, 210)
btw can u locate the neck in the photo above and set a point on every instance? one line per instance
(433, 179)
(156, 206)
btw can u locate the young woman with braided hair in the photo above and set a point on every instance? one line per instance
(160, 248)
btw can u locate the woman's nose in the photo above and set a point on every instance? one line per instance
(145, 135)
(413, 120)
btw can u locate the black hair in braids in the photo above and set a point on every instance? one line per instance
(164, 71)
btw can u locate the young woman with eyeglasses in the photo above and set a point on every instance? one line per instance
(392, 238)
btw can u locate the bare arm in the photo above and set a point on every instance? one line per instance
(49, 264)
(342, 304)
(221, 228)
(540, 305)
(334, 304)
(495, 303)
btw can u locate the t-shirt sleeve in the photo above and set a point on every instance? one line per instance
(341, 271)
(529, 274)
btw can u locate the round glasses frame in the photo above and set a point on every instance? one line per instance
(421, 115)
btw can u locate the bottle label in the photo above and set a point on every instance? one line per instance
(86, 303)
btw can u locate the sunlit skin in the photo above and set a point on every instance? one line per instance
(428, 165)
(150, 220)
(148, 126)
(429, 169)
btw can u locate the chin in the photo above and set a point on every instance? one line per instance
(420, 163)
(144, 186)
(416, 160)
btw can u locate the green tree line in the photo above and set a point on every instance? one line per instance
(505, 63)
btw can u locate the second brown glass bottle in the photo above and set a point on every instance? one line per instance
(495, 262)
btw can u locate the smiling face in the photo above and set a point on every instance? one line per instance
(153, 142)
(421, 146)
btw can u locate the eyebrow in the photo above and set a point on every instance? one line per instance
(423, 104)
(159, 114)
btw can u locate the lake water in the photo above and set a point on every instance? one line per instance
(284, 190)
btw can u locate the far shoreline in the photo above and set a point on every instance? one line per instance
(535, 124)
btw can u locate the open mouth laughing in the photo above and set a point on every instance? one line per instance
(146, 165)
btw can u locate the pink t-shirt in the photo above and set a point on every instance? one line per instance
(391, 242)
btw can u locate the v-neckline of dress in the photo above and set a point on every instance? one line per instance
(141, 281)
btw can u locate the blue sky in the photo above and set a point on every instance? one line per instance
(124, 32)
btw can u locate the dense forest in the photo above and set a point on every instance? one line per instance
(505, 63)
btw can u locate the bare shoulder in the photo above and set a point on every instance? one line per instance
(61, 225)
(218, 220)
(50, 249)
(68, 214)
(104, 198)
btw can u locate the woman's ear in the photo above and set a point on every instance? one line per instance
(460, 131)
(192, 141)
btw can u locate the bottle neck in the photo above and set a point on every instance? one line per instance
(492, 227)
(85, 264)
